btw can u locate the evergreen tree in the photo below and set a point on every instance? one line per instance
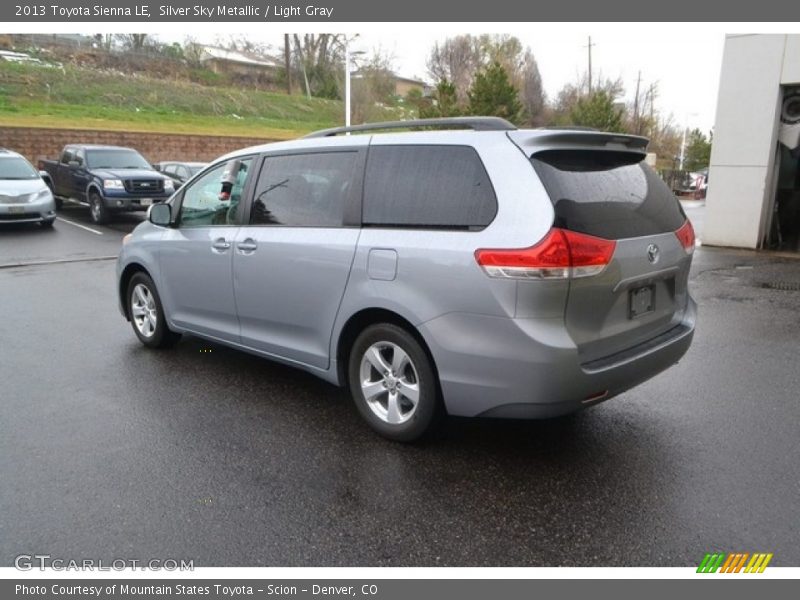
(698, 151)
(597, 110)
(445, 102)
(492, 94)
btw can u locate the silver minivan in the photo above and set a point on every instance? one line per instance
(469, 268)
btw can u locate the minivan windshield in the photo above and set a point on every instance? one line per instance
(116, 159)
(15, 167)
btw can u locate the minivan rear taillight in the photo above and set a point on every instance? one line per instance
(560, 255)
(685, 236)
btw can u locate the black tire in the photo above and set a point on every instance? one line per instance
(419, 419)
(59, 203)
(48, 224)
(97, 209)
(161, 336)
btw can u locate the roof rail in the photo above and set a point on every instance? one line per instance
(474, 123)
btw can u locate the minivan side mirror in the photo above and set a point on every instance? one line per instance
(160, 214)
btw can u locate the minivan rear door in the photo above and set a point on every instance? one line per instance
(600, 186)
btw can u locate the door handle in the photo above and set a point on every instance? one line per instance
(247, 246)
(220, 244)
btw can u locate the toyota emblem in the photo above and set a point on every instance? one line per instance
(652, 253)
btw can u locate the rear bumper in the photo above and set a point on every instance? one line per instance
(530, 368)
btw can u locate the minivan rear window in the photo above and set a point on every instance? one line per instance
(612, 195)
(429, 186)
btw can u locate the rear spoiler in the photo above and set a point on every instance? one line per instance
(533, 141)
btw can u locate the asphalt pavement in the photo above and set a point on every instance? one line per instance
(109, 450)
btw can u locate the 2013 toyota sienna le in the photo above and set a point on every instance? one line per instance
(480, 270)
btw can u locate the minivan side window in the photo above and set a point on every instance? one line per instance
(206, 202)
(427, 186)
(304, 190)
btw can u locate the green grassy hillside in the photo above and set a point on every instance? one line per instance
(75, 97)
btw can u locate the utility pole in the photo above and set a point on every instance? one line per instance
(636, 105)
(589, 46)
(346, 84)
(288, 63)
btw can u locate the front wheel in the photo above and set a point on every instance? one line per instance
(97, 208)
(147, 313)
(393, 383)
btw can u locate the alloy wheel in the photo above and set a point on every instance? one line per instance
(389, 382)
(143, 310)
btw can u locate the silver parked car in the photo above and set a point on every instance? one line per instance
(482, 271)
(24, 195)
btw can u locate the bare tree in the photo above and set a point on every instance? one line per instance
(246, 45)
(133, 41)
(104, 40)
(320, 60)
(531, 91)
(373, 87)
(456, 60)
(642, 110)
(192, 50)
(504, 49)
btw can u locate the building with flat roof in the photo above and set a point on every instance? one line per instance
(754, 178)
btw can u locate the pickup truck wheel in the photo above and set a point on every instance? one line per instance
(147, 313)
(97, 208)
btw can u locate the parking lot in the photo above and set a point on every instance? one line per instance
(109, 450)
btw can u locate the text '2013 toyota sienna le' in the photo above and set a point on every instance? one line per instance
(482, 271)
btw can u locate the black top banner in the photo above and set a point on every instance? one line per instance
(332, 11)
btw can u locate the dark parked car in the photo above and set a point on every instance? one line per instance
(107, 179)
(179, 172)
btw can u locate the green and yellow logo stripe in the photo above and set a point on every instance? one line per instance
(734, 562)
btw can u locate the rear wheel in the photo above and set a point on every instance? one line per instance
(393, 383)
(97, 208)
(147, 314)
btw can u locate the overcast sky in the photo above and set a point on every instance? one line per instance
(684, 60)
(686, 67)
